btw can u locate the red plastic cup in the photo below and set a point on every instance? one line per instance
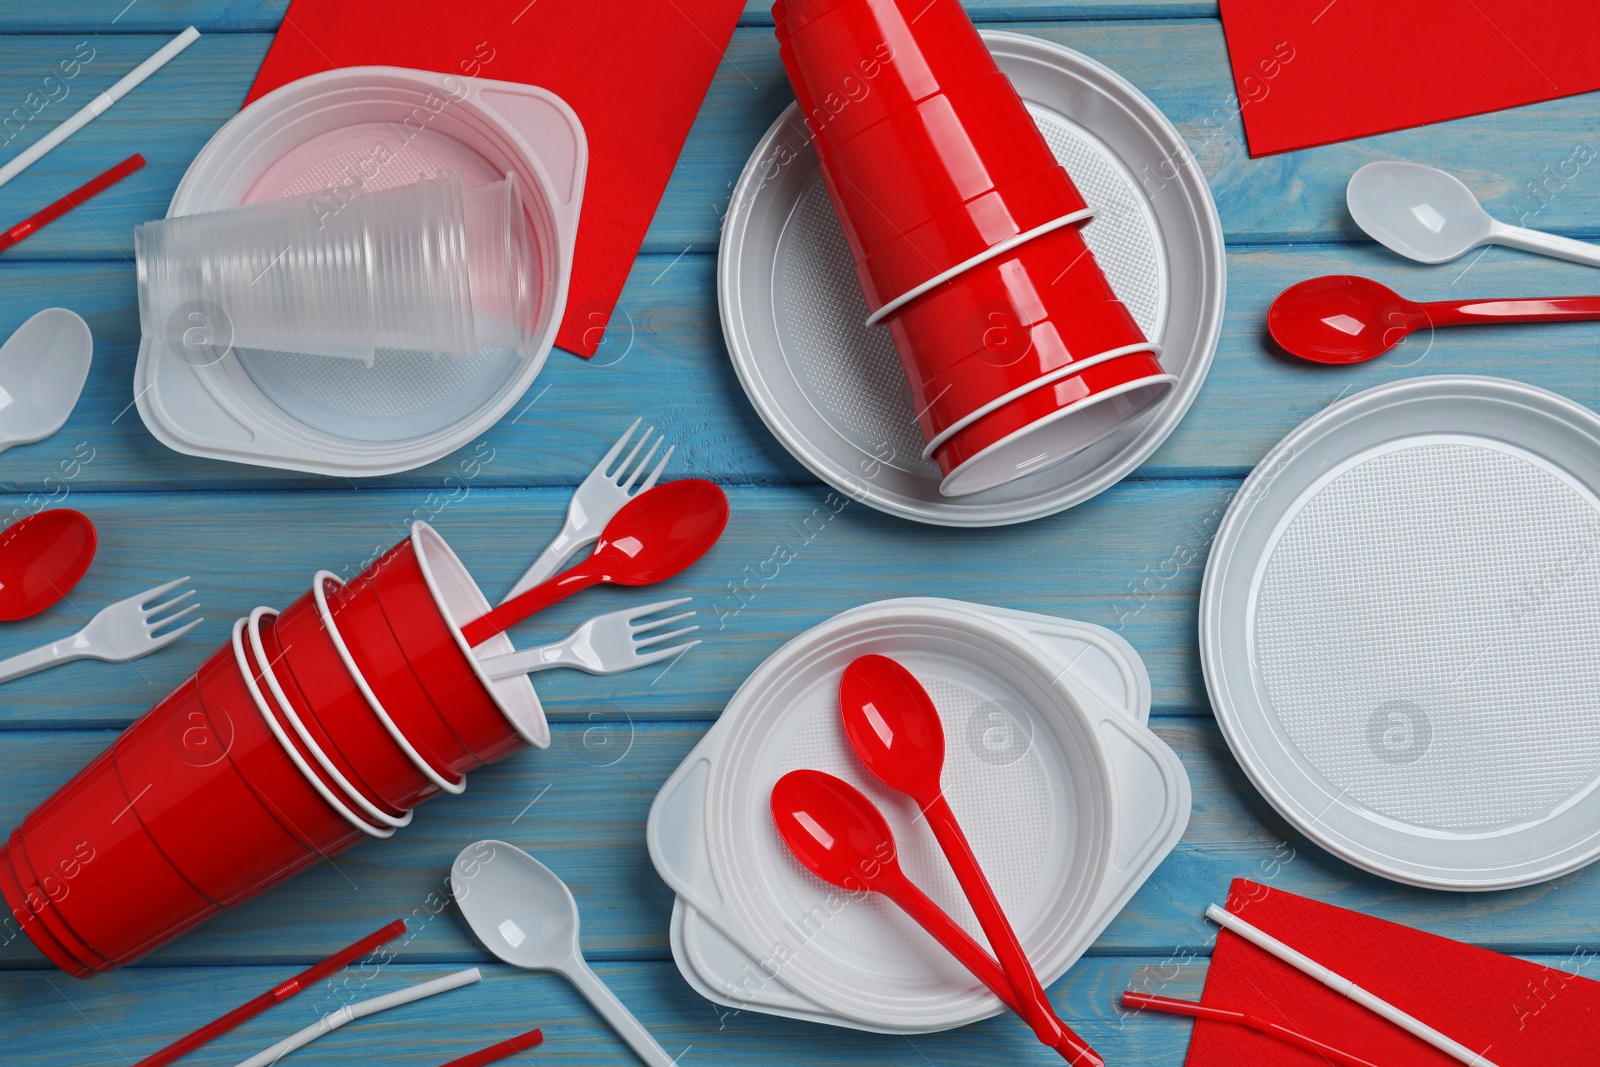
(926, 160)
(334, 703)
(305, 743)
(1051, 423)
(412, 720)
(857, 61)
(118, 893)
(175, 773)
(1032, 358)
(991, 306)
(260, 753)
(982, 229)
(427, 595)
(23, 907)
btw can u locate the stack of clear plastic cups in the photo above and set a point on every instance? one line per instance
(429, 267)
(965, 233)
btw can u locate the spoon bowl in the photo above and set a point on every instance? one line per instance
(1341, 318)
(41, 558)
(43, 366)
(892, 726)
(518, 907)
(836, 832)
(651, 538)
(1421, 212)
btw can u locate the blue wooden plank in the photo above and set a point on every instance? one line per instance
(1528, 163)
(665, 361)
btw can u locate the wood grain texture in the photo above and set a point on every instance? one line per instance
(1131, 559)
(1536, 163)
(665, 361)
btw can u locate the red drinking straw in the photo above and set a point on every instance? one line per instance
(283, 991)
(1150, 1002)
(92, 187)
(500, 1051)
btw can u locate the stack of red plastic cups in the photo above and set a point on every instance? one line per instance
(965, 233)
(305, 733)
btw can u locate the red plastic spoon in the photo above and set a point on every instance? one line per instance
(41, 559)
(894, 730)
(837, 833)
(1342, 318)
(651, 538)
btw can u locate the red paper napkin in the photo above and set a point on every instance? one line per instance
(1309, 72)
(635, 73)
(1517, 1013)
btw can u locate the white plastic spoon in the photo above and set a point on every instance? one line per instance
(42, 369)
(525, 915)
(1429, 216)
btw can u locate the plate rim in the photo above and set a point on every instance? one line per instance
(1212, 630)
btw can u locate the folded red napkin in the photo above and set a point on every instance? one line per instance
(1516, 1013)
(635, 73)
(1309, 72)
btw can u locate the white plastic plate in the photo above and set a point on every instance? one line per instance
(379, 127)
(1007, 764)
(1400, 630)
(830, 388)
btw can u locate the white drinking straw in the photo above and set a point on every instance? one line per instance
(1339, 984)
(97, 107)
(334, 1020)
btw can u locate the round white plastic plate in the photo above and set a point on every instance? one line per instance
(1400, 630)
(831, 388)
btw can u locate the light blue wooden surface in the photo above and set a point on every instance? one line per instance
(1131, 559)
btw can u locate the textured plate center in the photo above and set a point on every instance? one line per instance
(1424, 629)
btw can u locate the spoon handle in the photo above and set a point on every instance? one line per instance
(617, 1014)
(1047, 1026)
(522, 605)
(1546, 244)
(1529, 309)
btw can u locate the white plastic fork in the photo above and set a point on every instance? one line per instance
(606, 644)
(122, 631)
(609, 486)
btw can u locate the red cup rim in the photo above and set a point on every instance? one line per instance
(1076, 408)
(276, 727)
(1040, 382)
(993, 252)
(320, 594)
(530, 724)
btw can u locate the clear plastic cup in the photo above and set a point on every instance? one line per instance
(429, 267)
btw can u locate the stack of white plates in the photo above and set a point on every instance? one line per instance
(1069, 800)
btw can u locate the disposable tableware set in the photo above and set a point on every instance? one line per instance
(325, 723)
(946, 293)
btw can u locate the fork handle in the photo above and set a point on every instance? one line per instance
(55, 653)
(563, 548)
(528, 660)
